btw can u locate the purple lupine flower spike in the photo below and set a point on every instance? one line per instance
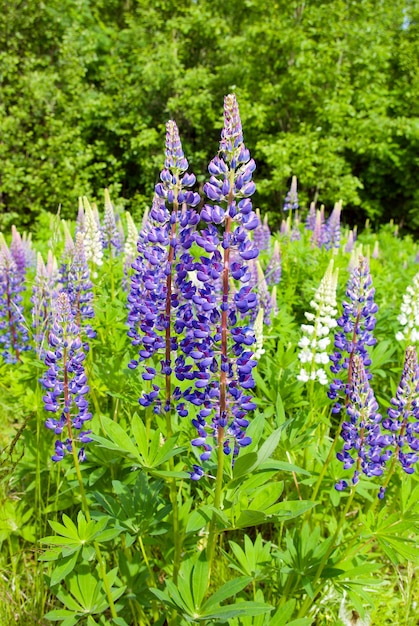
(80, 289)
(332, 228)
(274, 270)
(65, 383)
(14, 337)
(156, 290)
(403, 416)
(355, 326)
(291, 199)
(365, 446)
(311, 217)
(350, 243)
(223, 360)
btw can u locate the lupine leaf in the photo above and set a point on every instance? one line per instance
(229, 589)
(241, 608)
(63, 568)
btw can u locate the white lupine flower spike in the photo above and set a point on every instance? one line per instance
(92, 236)
(409, 313)
(313, 344)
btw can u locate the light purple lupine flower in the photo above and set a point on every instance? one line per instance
(264, 297)
(403, 416)
(262, 233)
(14, 337)
(332, 228)
(365, 446)
(274, 270)
(65, 383)
(44, 293)
(291, 199)
(17, 251)
(311, 217)
(350, 243)
(80, 289)
(355, 330)
(80, 220)
(111, 235)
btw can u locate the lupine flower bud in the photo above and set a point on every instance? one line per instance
(315, 339)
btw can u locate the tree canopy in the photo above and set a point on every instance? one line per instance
(328, 91)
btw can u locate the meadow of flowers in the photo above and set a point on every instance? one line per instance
(204, 421)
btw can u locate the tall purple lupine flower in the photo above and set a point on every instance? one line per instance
(221, 348)
(311, 217)
(291, 199)
(65, 382)
(274, 270)
(366, 447)
(403, 416)
(332, 228)
(80, 289)
(355, 330)
(350, 242)
(14, 336)
(262, 233)
(156, 291)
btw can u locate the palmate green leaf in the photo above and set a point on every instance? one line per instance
(63, 614)
(117, 440)
(69, 529)
(229, 589)
(282, 511)
(64, 567)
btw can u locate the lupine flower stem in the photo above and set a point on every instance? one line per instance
(311, 599)
(85, 508)
(212, 536)
(85, 505)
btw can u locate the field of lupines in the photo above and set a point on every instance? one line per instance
(206, 422)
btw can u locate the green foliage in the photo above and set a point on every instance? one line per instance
(88, 86)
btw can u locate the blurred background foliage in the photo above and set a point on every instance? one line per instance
(328, 91)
